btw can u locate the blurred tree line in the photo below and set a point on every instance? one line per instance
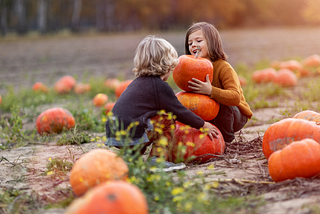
(48, 16)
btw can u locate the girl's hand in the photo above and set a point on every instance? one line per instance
(211, 130)
(201, 87)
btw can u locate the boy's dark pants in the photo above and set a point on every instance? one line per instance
(229, 120)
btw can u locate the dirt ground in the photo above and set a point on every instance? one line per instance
(242, 168)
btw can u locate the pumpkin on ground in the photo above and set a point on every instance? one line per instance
(201, 105)
(286, 78)
(242, 80)
(299, 159)
(112, 83)
(312, 61)
(54, 120)
(190, 144)
(264, 75)
(117, 197)
(81, 88)
(284, 132)
(189, 67)
(308, 115)
(0, 99)
(121, 87)
(39, 86)
(95, 167)
(108, 107)
(64, 84)
(100, 99)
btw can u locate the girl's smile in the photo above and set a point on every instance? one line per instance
(197, 39)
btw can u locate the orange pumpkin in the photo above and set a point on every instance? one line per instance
(190, 67)
(64, 84)
(82, 88)
(0, 99)
(111, 83)
(286, 78)
(201, 105)
(284, 132)
(242, 80)
(108, 107)
(54, 120)
(292, 65)
(121, 87)
(95, 167)
(308, 115)
(111, 197)
(299, 159)
(39, 86)
(311, 61)
(264, 75)
(198, 145)
(100, 99)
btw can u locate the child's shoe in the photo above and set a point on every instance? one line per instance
(165, 166)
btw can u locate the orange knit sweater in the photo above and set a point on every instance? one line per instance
(226, 87)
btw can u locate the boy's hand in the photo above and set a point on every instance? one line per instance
(212, 130)
(201, 87)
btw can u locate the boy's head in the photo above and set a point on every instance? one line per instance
(154, 57)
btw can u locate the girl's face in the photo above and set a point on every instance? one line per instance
(197, 39)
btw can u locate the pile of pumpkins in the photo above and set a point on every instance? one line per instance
(199, 148)
(286, 73)
(292, 147)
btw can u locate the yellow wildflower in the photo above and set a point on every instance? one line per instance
(177, 191)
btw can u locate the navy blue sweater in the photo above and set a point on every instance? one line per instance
(142, 99)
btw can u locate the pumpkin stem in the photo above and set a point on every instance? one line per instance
(197, 54)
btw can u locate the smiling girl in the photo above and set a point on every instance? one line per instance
(225, 87)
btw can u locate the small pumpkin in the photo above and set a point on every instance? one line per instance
(201, 105)
(242, 80)
(284, 132)
(54, 120)
(112, 83)
(286, 78)
(198, 147)
(39, 86)
(108, 107)
(264, 75)
(308, 115)
(299, 159)
(110, 197)
(121, 87)
(100, 99)
(81, 88)
(312, 61)
(189, 67)
(95, 167)
(64, 84)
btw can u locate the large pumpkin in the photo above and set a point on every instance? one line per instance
(284, 132)
(312, 61)
(308, 115)
(95, 167)
(299, 159)
(201, 105)
(190, 67)
(54, 120)
(121, 87)
(64, 84)
(190, 144)
(286, 78)
(118, 197)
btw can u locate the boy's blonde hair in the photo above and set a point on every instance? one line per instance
(212, 36)
(154, 57)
